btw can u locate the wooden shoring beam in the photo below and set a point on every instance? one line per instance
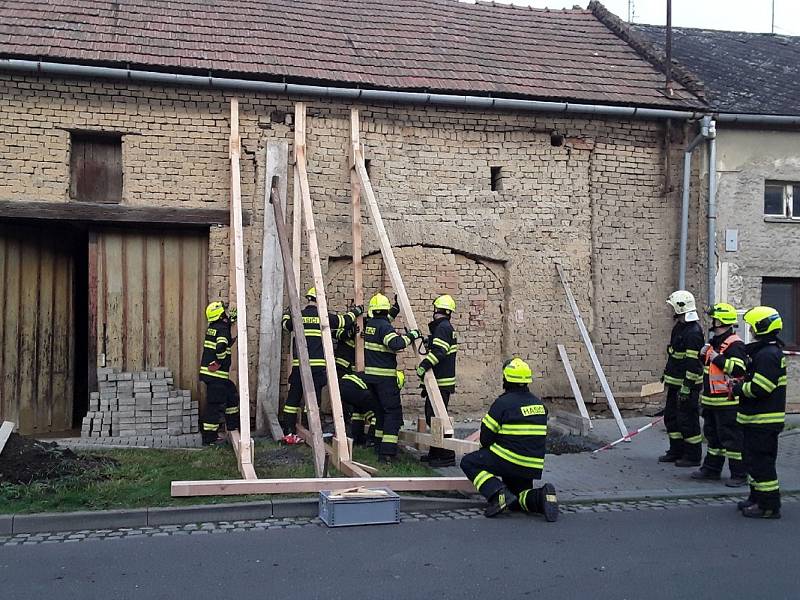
(342, 448)
(358, 268)
(244, 447)
(239, 487)
(272, 280)
(5, 432)
(587, 340)
(307, 380)
(573, 383)
(457, 445)
(445, 423)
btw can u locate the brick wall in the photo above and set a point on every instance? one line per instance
(597, 204)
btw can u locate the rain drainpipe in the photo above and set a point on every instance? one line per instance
(687, 173)
(712, 210)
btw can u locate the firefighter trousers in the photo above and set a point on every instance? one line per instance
(437, 452)
(388, 414)
(356, 407)
(222, 402)
(292, 409)
(760, 454)
(489, 474)
(724, 438)
(682, 420)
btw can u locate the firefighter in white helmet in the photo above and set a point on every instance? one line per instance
(683, 378)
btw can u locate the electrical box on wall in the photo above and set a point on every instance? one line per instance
(731, 240)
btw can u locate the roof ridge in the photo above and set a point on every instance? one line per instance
(647, 50)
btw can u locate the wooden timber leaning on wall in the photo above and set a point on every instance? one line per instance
(241, 441)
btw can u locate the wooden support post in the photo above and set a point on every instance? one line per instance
(434, 395)
(297, 218)
(269, 339)
(245, 446)
(358, 275)
(592, 354)
(238, 487)
(342, 452)
(5, 432)
(573, 383)
(457, 445)
(306, 378)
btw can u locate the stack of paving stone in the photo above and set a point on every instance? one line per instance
(141, 409)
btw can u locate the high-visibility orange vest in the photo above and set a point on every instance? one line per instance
(720, 384)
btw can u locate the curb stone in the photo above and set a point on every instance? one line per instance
(279, 509)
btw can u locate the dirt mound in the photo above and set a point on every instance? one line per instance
(25, 460)
(569, 444)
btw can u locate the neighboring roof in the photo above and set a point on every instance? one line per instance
(751, 73)
(441, 46)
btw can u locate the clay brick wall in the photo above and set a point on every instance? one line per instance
(598, 204)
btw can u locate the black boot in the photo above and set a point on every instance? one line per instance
(442, 458)
(674, 453)
(706, 474)
(549, 503)
(500, 502)
(754, 511)
(742, 504)
(737, 481)
(692, 456)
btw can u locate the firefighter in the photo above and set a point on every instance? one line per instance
(360, 402)
(513, 436)
(725, 360)
(316, 357)
(222, 399)
(442, 346)
(345, 353)
(683, 378)
(762, 412)
(381, 343)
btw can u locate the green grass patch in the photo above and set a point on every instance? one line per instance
(141, 478)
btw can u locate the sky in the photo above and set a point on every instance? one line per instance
(733, 15)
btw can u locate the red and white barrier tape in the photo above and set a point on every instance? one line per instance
(628, 437)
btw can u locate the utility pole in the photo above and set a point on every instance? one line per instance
(773, 17)
(668, 66)
(630, 11)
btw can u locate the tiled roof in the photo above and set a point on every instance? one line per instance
(442, 46)
(757, 73)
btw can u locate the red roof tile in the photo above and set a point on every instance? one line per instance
(441, 46)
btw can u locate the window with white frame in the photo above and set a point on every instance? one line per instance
(782, 199)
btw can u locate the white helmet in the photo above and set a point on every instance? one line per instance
(682, 302)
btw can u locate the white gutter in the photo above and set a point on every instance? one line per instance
(352, 94)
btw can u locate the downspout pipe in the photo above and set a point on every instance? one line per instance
(340, 93)
(712, 211)
(687, 177)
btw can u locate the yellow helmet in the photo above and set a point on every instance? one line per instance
(401, 379)
(517, 370)
(312, 293)
(379, 302)
(215, 310)
(763, 320)
(724, 313)
(445, 302)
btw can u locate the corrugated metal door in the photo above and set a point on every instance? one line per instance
(36, 336)
(151, 295)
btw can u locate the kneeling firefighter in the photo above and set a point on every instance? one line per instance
(359, 401)
(513, 436)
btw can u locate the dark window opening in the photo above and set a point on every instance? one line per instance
(783, 295)
(556, 139)
(782, 199)
(96, 167)
(496, 181)
(368, 167)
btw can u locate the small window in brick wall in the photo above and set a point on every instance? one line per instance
(782, 199)
(496, 179)
(96, 167)
(368, 167)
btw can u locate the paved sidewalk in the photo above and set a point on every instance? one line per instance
(630, 470)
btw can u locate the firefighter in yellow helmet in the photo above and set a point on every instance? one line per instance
(724, 361)
(316, 356)
(442, 345)
(222, 398)
(683, 378)
(381, 345)
(513, 437)
(762, 412)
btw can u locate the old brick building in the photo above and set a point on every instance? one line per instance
(483, 187)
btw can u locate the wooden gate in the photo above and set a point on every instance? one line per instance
(37, 331)
(150, 295)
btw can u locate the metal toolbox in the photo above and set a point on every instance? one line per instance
(376, 506)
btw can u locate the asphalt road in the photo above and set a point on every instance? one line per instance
(693, 553)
